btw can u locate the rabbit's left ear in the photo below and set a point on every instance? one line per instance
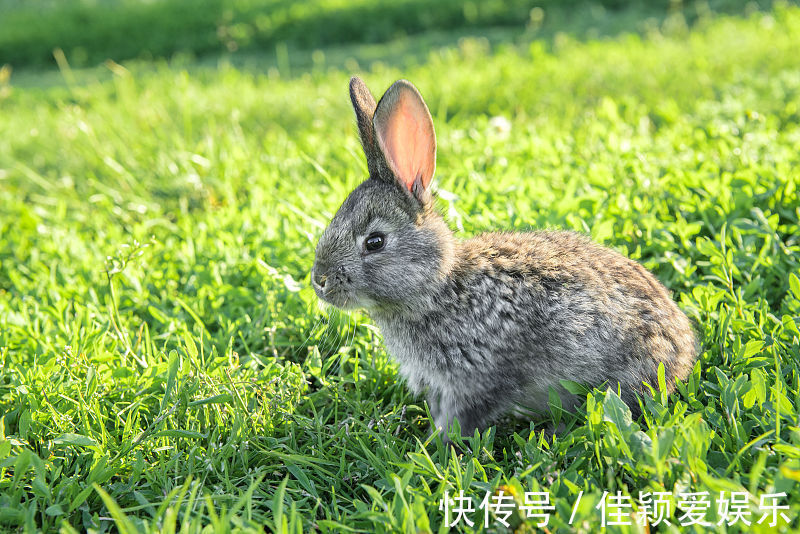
(404, 134)
(364, 106)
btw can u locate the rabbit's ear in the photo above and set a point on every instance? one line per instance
(404, 133)
(364, 106)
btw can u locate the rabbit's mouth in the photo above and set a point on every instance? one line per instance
(331, 289)
(338, 298)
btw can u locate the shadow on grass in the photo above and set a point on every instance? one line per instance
(400, 46)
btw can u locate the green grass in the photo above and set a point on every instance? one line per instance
(164, 363)
(89, 32)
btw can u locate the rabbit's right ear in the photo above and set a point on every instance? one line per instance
(364, 105)
(404, 134)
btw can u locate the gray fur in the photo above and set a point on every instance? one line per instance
(486, 326)
(364, 106)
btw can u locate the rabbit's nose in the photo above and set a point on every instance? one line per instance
(319, 279)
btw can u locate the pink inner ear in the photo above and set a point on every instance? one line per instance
(408, 141)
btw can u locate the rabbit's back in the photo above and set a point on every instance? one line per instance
(520, 311)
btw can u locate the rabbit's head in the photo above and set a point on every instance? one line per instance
(386, 245)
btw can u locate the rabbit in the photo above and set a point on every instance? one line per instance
(486, 326)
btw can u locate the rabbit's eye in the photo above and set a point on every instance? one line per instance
(374, 242)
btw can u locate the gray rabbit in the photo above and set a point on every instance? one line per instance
(486, 326)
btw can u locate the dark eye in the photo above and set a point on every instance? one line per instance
(374, 242)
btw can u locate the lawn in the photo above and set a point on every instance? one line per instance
(164, 363)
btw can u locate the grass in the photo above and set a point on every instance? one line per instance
(164, 364)
(89, 32)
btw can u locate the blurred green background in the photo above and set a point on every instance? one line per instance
(91, 31)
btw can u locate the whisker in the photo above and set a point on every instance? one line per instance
(321, 342)
(340, 332)
(354, 328)
(347, 342)
(330, 326)
(306, 341)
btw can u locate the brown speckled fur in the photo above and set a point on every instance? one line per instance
(486, 326)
